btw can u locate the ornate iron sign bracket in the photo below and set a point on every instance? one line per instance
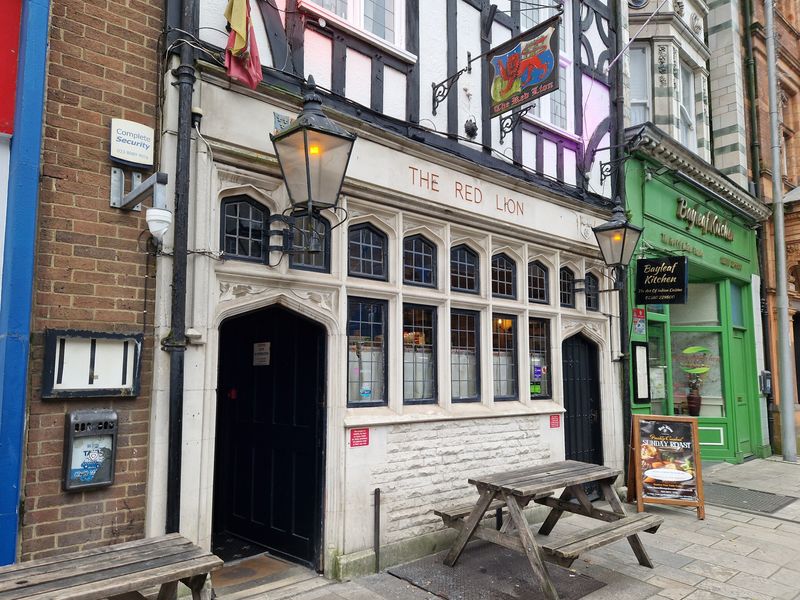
(507, 123)
(441, 90)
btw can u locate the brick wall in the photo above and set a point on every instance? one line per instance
(427, 465)
(90, 263)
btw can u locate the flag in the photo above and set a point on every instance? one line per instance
(241, 53)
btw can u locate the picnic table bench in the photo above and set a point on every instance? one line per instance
(514, 490)
(118, 572)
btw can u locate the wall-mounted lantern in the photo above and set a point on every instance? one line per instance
(617, 240)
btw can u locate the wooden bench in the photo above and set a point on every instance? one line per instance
(566, 550)
(118, 572)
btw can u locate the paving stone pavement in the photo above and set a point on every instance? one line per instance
(730, 555)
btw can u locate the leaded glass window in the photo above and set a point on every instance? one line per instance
(464, 270)
(503, 276)
(538, 288)
(419, 261)
(566, 284)
(419, 354)
(379, 18)
(311, 244)
(244, 229)
(367, 256)
(366, 352)
(465, 355)
(592, 288)
(504, 356)
(539, 345)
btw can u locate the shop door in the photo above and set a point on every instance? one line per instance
(740, 358)
(269, 463)
(582, 425)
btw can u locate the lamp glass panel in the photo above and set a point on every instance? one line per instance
(610, 243)
(291, 151)
(629, 245)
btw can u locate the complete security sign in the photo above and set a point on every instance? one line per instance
(132, 143)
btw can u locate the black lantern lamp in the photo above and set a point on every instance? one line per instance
(617, 240)
(313, 153)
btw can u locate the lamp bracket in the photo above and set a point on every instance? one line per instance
(507, 124)
(286, 233)
(607, 169)
(155, 185)
(442, 89)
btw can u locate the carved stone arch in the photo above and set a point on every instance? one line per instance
(513, 253)
(239, 298)
(382, 225)
(594, 331)
(250, 191)
(430, 235)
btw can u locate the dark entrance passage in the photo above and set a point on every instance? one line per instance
(582, 423)
(268, 474)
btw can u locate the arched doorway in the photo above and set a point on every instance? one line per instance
(582, 422)
(269, 466)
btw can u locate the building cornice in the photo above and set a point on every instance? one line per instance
(672, 19)
(651, 142)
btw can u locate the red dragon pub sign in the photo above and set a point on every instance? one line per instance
(525, 67)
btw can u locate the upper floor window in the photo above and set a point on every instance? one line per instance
(591, 286)
(558, 100)
(464, 271)
(538, 290)
(640, 84)
(311, 245)
(686, 119)
(566, 284)
(504, 276)
(383, 18)
(367, 256)
(419, 261)
(244, 229)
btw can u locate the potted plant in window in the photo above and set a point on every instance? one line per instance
(695, 366)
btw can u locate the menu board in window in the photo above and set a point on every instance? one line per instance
(666, 462)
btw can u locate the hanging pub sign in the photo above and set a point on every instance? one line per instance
(662, 280)
(665, 457)
(525, 67)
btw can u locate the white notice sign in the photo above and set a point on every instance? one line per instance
(261, 354)
(132, 143)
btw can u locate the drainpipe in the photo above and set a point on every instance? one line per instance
(755, 162)
(175, 343)
(788, 440)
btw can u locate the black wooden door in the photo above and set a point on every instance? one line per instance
(269, 462)
(582, 424)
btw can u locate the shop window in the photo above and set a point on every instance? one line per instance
(697, 366)
(366, 352)
(539, 344)
(591, 286)
(538, 289)
(464, 270)
(244, 229)
(657, 366)
(419, 261)
(367, 255)
(419, 354)
(311, 231)
(465, 355)
(737, 308)
(566, 286)
(504, 277)
(701, 309)
(504, 356)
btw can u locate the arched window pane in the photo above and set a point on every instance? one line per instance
(464, 272)
(243, 230)
(592, 287)
(503, 277)
(306, 229)
(538, 290)
(567, 287)
(419, 261)
(367, 255)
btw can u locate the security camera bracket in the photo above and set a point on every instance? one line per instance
(155, 185)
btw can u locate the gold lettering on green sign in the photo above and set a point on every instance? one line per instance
(707, 221)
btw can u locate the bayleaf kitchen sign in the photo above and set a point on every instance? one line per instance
(706, 221)
(132, 143)
(662, 280)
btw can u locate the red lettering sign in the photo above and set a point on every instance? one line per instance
(359, 437)
(555, 421)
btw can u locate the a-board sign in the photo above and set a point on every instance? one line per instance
(666, 462)
(662, 280)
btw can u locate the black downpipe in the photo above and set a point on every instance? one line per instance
(755, 162)
(175, 344)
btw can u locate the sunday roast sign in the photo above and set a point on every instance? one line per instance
(667, 469)
(524, 68)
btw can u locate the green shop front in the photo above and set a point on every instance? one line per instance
(699, 357)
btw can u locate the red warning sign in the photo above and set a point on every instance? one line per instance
(555, 421)
(359, 437)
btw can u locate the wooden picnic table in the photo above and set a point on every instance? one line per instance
(516, 489)
(118, 572)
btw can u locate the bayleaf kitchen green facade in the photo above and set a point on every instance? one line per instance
(703, 357)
